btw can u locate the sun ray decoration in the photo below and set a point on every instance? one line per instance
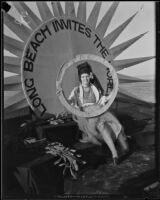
(32, 17)
(121, 64)
(13, 87)
(103, 25)
(17, 27)
(117, 50)
(81, 14)
(132, 97)
(12, 80)
(126, 96)
(111, 37)
(57, 9)
(19, 105)
(12, 83)
(13, 46)
(29, 15)
(13, 64)
(70, 9)
(14, 99)
(129, 79)
(93, 17)
(44, 11)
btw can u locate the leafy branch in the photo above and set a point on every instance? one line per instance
(68, 157)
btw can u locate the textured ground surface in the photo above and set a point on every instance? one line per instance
(130, 176)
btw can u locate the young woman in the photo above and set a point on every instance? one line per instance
(106, 127)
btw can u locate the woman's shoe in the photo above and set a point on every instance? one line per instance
(115, 161)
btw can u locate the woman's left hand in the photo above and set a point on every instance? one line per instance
(104, 99)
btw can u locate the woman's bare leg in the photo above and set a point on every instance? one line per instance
(108, 139)
(123, 141)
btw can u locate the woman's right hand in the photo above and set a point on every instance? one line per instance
(104, 100)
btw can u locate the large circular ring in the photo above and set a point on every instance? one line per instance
(60, 92)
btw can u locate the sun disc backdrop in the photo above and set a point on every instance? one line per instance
(64, 45)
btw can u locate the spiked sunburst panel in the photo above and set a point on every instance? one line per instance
(67, 44)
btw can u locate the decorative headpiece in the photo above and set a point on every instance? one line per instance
(84, 68)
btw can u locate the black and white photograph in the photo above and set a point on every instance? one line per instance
(79, 100)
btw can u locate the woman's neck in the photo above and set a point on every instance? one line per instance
(86, 86)
(86, 89)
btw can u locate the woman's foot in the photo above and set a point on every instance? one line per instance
(115, 161)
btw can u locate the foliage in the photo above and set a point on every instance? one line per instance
(68, 158)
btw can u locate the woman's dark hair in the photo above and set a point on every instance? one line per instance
(97, 84)
(86, 68)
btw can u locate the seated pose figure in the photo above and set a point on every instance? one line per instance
(89, 96)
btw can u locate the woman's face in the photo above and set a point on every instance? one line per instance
(85, 79)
